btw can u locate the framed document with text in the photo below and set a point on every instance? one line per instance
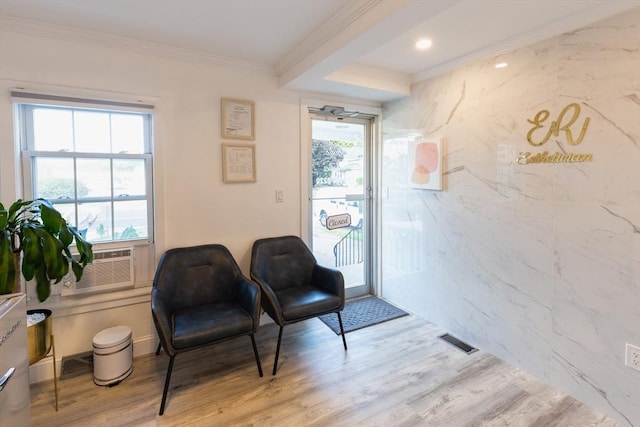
(238, 119)
(238, 163)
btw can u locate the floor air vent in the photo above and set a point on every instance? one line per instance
(77, 364)
(460, 345)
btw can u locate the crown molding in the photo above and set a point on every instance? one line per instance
(60, 32)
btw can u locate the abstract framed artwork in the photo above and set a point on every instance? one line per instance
(425, 164)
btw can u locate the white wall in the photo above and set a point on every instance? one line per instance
(193, 205)
(538, 264)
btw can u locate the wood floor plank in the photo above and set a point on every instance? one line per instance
(394, 374)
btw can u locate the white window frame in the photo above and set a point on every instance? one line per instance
(24, 103)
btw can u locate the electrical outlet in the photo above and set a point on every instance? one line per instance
(632, 357)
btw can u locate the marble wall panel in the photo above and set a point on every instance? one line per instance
(538, 264)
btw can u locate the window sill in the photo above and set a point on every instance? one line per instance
(73, 305)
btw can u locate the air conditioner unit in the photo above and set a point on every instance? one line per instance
(109, 271)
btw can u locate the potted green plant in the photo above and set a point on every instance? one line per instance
(35, 231)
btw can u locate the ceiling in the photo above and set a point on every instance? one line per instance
(355, 48)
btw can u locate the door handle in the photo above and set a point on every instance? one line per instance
(6, 377)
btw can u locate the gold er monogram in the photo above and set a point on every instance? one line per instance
(557, 125)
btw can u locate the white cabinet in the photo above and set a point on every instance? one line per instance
(15, 396)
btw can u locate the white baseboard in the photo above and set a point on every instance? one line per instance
(145, 345)
(43, 370)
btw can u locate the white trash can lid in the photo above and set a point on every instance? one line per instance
(112, 337)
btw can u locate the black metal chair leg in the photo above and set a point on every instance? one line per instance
(158, 349)
(275, 363)
(344, 340)
(255, 352)
(166, 384)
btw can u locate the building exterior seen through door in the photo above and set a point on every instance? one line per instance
(340, 198)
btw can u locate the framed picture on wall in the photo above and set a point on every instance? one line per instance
(238, 163)
(238, 119)
(425, 164)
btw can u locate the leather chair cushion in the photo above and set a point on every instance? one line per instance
(287, 251)
(208, 323)
(306, 301)
(204, 283)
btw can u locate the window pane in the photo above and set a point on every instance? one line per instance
(338, 155)
(127, 133)
(53, 178)
(130, 220)
(92, 132)
(94, 221)
(129, 177)
(94, 177)
(52, 129)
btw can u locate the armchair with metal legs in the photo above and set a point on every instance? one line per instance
(294, 286)
(199, 298)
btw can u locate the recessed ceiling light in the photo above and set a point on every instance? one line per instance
(424, 44)
(501, 65)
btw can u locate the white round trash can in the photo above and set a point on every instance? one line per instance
(112, 355)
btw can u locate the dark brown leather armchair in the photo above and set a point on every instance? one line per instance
(199, 298)
(294, 286)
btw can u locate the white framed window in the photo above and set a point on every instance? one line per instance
(93, 160)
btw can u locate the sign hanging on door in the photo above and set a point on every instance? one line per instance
(338, 221)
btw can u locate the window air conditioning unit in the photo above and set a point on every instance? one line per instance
(109, 271)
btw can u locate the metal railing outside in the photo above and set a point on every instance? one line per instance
(350, 249)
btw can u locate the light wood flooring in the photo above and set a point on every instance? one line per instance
(394, 374)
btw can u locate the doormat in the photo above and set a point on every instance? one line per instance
(363, 312)
(77, 364)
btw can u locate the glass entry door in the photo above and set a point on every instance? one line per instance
(340, 198)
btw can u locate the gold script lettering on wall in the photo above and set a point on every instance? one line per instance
(557, 126)
(564, 123)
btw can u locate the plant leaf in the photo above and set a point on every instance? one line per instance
(14, 209)
(31, 248)
(84, 248)
(66, 237)
(15, 206)
(28, 270)
(4, 218)
(51, 247)
(64, 268)
(43, 286)
(7, 266)
(77, 269)
(51, 218)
